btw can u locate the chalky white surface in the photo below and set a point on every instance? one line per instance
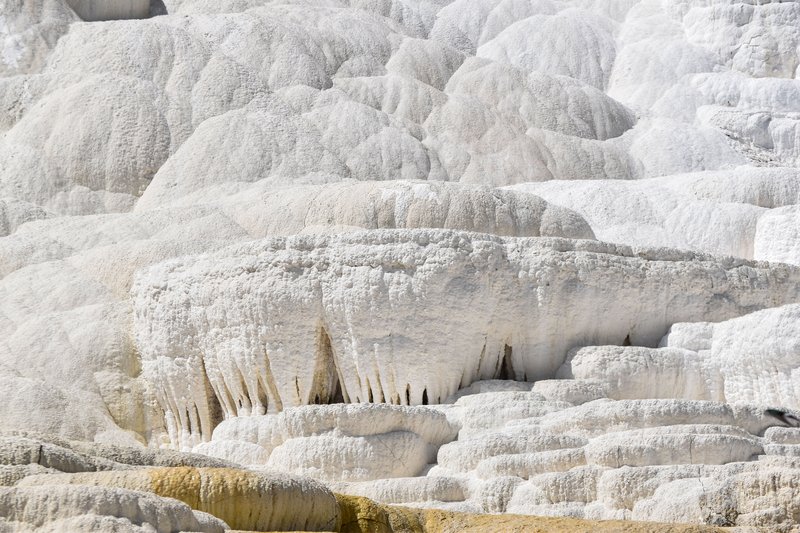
(214, 216)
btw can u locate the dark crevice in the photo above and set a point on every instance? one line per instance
(263, 397)
(198, 418)
(213, 406)
(507, 366)
(338, 396)
(425, 397)
(408, 394)
(326, 387)
(245, 398)
(271, 386)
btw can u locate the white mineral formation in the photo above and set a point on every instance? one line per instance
(483, 255)
(84, 508)
(408, 317)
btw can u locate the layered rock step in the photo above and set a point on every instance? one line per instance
(409, 317)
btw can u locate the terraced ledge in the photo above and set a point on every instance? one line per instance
(361, 515)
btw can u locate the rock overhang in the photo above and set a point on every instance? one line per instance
(410, 316)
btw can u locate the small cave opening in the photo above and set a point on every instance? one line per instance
(506, 370)
(335, 396)
(216, 414)
(326, 387)
(425, 396)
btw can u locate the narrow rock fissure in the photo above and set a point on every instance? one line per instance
(214, 412)
(272, 387)
(245, 402)
(262, 396)
(326, 386)
(506, 370)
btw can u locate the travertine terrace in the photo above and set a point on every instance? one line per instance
(288, 264)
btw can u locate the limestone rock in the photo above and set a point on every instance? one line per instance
(726, 361)
(219, 218)
(51, 507)
(326, 284)
(777, 237)
(336, 442)
(245, 500)
(30, 29)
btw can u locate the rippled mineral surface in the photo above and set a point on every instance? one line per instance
(399, 265)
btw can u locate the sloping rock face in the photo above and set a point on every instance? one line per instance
(493, 256)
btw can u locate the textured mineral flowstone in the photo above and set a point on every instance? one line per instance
(216, 215)
(409, 317)
(93, 508)
(244, 500)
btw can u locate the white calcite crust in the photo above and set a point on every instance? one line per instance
(631, 459)
(52, 507)
(751, 359)
(539, 256)
(281, 323)
(340, 442)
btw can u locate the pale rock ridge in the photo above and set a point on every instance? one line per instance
(748, 359)
(135, 142)
(338, 207)
(541, 100)
(430, 62)
(52, 454)
(244, 500)
(111, 476)
(62, 508)
(363, 304)
(86, 316)
(340, 442)
(719, 212)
